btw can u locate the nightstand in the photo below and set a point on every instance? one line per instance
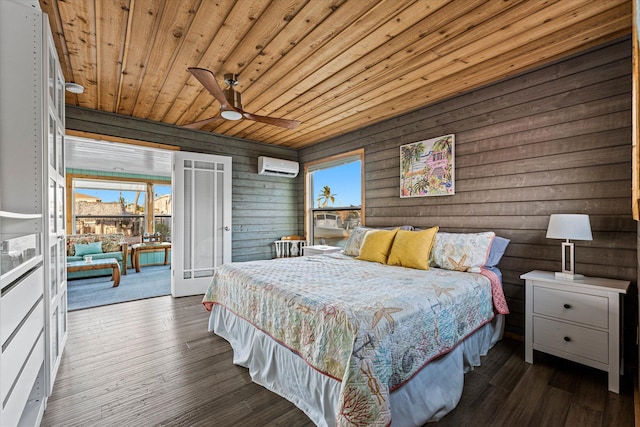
(578, 320)
(320, 249)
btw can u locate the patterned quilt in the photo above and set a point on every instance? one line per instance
(368, 325)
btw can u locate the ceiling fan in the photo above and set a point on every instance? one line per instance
(231, 102)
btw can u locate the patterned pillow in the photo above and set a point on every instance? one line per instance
(352, 247)
(461, 251)
(79, 239)
(111, 242)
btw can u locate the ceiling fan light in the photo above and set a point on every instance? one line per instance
(73, 87)
(231, 115)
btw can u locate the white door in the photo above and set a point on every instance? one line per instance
(55, 223)
(201, 220)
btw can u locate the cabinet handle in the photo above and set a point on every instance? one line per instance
(567, 339)
(567, 306)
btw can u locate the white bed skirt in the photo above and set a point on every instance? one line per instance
(432, 393)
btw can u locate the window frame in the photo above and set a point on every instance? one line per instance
(149, 214)
(325, 163)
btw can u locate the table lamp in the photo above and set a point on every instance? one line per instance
(569, 226)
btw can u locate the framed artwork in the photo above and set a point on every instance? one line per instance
(427, 167)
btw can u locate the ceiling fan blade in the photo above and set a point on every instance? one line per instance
(285, 123)
(201, 123)
(208, 80)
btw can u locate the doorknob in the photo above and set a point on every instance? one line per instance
(226, 228)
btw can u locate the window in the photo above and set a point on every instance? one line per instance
(103, 206)
(162, 210)
(334, 198)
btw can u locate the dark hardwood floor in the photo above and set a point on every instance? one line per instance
(152, 362)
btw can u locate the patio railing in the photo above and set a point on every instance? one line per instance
(129, 225)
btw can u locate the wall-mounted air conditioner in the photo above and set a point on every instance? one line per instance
(277, 167)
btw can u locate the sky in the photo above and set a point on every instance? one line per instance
(344, 181)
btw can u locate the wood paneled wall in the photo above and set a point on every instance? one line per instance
(553, 140)
(265, 208)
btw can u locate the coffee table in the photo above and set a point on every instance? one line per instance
(98, 264)
(148, 247)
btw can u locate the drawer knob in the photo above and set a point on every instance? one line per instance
(567, 306)
(567, 339)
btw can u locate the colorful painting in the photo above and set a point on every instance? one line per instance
(427, 167)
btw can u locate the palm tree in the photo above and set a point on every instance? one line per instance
(410, 154)
(443, 144)
(135, 203)
(325, 197)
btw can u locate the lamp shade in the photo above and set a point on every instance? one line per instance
(569, 226)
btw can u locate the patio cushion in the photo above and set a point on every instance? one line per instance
(110, 242)
(105, 255)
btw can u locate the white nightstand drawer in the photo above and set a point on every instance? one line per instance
(573, 306)
(584, 342)
(578, 320)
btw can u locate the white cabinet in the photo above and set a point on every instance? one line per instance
(32, 227)
(22, 367)
(579, 320)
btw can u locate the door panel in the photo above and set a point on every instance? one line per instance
(55, 236)
(201, 220)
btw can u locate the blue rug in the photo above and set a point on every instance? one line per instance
(152, 281)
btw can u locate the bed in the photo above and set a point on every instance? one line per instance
(355, 342)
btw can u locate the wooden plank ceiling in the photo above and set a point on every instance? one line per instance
(334, 65)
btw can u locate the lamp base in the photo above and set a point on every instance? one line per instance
(569, 276)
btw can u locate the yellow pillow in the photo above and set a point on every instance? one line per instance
(376, 245)
(412, 248)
